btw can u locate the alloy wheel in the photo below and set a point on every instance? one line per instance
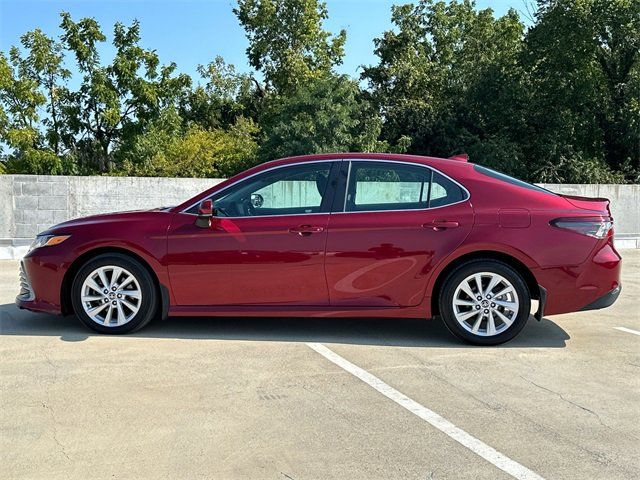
(485, 304)
(111, 296)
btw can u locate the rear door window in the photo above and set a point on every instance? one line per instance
(377, 186)
(387, 186)
(444, 191)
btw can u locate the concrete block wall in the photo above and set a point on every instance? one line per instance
(38, 202)
(32, 203)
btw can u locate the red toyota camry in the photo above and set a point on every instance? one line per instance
(345, 235)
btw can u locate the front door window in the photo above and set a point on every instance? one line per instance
(294, 190)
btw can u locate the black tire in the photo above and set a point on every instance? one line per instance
(458, 276)
(148, 303)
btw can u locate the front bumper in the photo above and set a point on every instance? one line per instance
(39, 287)
(37, 306)
(604, 301)
(26, 290)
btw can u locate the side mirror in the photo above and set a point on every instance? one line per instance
(257, 200)
(205, 213)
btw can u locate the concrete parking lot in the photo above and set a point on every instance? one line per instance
(320, 398)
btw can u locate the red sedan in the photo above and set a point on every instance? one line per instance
(345, 235)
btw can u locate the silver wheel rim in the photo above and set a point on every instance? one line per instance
(111, 296)
(485, 304)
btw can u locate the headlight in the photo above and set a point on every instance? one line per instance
(47, 241)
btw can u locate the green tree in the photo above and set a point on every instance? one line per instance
(287, 42)
(20, 103)
(557, 103)
(224, 96)
(448, 78)
(114, 102)
(584, 59)
(166, 149)
(44, 65)
(329, 114)
(21, 100)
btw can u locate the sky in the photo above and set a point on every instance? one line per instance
(193, 32)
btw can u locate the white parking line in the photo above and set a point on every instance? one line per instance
(627, 330)
(477, 446)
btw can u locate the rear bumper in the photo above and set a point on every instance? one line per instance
(604, 301)
(582, 287)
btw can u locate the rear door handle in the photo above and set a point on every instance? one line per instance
(306, 230)
(438, 225)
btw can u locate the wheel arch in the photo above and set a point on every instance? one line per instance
(66, 304)
(517, 264)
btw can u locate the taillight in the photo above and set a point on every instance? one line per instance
(597, 227)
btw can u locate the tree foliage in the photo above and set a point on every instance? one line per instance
(287, 42)
(329, 115)
(168, 149)
(27, 86)
(584, 63)
(222, 97)
(448, 78)
(114, 102)
(558, 101)
(555, 103)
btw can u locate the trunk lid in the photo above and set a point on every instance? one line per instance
(600, 205)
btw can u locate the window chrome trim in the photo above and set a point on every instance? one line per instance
(402, 162)
(343, 212)
(184, 210)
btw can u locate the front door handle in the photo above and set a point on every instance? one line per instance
(306, 230)
(438, 225)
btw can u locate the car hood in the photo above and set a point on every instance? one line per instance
(116, 217)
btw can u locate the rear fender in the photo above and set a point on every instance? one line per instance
(476, 250)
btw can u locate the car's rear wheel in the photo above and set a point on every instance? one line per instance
(485, 302)
(114, 293)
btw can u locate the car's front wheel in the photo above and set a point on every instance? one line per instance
(485, 302)
(114, 293)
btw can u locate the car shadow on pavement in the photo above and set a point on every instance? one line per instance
(358, 331)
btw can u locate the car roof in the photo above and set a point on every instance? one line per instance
(401, 157)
